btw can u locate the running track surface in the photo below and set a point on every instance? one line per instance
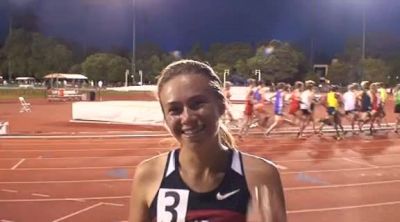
(89, 179)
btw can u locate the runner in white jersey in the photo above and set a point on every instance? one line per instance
(307, 105)
(349, 103)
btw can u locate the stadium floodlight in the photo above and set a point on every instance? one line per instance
(269, 50)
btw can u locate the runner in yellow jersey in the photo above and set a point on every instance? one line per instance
(332, 102)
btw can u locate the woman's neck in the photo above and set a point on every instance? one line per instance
(206, 159)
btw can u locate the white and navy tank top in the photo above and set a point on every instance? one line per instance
(176, 202)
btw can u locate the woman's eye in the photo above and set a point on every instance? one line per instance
(197, 105)
(174, 111)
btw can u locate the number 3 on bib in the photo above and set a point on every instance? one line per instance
(172, 205)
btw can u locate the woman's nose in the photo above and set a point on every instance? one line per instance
(186, 115)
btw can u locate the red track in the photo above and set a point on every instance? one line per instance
(89, 179)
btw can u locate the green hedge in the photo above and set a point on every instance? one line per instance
(11, 93)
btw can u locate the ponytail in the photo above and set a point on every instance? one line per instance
(226, 137)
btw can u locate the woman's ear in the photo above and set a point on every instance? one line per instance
(167, 128)
(222, 108)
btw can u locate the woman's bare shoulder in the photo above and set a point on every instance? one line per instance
(258, 169)
(148, 177)
(150, 168)
(255, 161)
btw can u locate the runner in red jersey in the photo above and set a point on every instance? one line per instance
(294, 103)
(248, 113)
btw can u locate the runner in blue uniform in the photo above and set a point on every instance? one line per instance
(279, 105)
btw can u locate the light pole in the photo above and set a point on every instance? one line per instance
(364, 25)
(10, 25)
(258, 73)
(126, 77)
(226, 72)
(133, 37)
(141, 77)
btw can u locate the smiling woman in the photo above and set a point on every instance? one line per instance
(206, 179)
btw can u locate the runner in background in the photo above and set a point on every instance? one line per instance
(307, 105)
(349, 105)
(260, 105)
(227, 93)
(383, 95)
(294, 102)
(364, 105)
(375, 104)
(332, 101)
(396, 95)
(279, 105)
(248, 113)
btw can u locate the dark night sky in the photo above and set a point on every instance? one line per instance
(177, 24)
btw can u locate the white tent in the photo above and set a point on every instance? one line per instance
(64, 76)
(25, 82)
(65, 80)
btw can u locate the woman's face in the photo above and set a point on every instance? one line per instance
(191, 109)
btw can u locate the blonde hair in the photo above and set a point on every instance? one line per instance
(191, 67)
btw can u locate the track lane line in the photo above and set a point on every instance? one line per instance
(40, 195)
(83, 136)
(68, 168)
(65, 199)
(66, 181)
(9, 191)
(343, 169)
(16, 165)
(133, 167)
(343, 208)
(75, 199)
(349, 159)
(78, 212)
(114, 204)
(359, 162)
(341, 185)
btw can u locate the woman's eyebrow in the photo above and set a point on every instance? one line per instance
(200, 96)
(173, 103)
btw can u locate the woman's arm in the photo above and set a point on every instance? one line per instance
(268, 202)
(138, 210)
(146, 182)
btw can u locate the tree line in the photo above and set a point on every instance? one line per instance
(27, 53)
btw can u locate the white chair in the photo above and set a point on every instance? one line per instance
(25, 107)
(3, 128)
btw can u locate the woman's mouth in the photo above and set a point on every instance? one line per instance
(189, 132)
